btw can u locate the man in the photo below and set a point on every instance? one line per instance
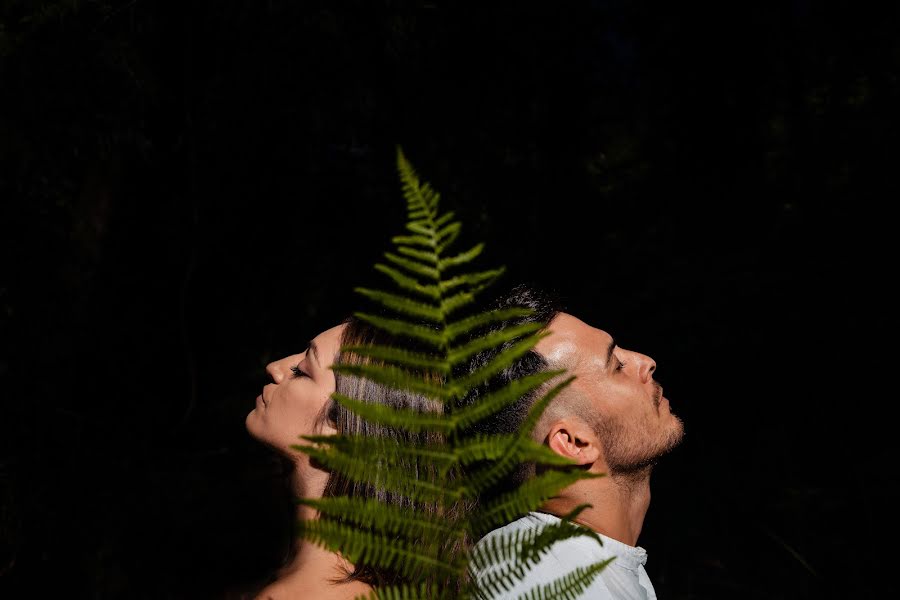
(612, 419)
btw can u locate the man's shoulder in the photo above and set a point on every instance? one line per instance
(535, 521)
(562, 558)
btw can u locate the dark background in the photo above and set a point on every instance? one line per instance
(191, 189)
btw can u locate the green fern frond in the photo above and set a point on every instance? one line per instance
(496, 582)
(415, 421)
(462, 353)
(455, 302)
(387, 452)
(447, 216)
(467, 325)
(369, 513)
(420, 228)
(401, 357)
(501, 548)
(373, 549)
(527, 545)
(504, 359)
(512, 446)
(515, 551)
(465, 465)
(413, 240)
(409, 179)
(507, 462)
(461, 258)
(570, 586)
(504, 558)
(403, 328)
(414, 267)
(483, 447)
(529, 496)
(423, 255)
(496, 401)
(447, 235)
(381, 476)
(531, 550)
(410, 284)
(397, 379)
(432, 196)
(541, 404)
(408, 419)
(530, 451)
(480, 278)
(403, 304)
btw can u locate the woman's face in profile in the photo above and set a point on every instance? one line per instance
(288, 407)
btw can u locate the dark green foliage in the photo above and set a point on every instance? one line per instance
(457, 479)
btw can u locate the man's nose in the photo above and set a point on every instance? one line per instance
(646, 367)
(651, 367)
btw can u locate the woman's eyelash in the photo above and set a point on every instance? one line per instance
(297, 372)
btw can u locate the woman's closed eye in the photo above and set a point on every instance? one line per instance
(297, 372)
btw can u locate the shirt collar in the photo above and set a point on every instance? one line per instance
(629, 557)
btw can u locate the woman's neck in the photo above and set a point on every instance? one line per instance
(313, 571)
(307, 483)
(311, 558)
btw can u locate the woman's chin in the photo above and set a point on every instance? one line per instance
(252, 423)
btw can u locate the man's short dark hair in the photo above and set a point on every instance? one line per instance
(545, 307)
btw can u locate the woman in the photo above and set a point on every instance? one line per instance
(288, 407)
(297, 402)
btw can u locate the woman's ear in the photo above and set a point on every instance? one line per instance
(326, 422)
(574, 440)
(326, 427)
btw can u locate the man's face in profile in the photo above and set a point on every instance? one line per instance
(614, 391)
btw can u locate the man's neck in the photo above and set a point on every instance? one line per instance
(619, 505)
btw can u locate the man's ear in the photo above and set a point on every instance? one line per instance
(574, 440)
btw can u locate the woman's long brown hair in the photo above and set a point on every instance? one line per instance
(358, 333)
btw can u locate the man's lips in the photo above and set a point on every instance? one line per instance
(660, 399)
(262, 399)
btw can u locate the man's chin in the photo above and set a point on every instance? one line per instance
(676, 435)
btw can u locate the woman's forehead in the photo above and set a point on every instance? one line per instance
(333, 335)
(328, 343)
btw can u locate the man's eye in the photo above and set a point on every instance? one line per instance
(620, 366)
(297, 372)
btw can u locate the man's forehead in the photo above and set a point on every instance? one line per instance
(572, 340)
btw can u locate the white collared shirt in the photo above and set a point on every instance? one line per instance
(623, 579)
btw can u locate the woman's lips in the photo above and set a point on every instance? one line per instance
(261, 400)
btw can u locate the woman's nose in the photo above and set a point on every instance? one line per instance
(273, 369)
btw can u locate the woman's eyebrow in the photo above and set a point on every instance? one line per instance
(313, 349)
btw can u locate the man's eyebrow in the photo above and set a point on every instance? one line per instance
(609, 351)
(313, 349)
